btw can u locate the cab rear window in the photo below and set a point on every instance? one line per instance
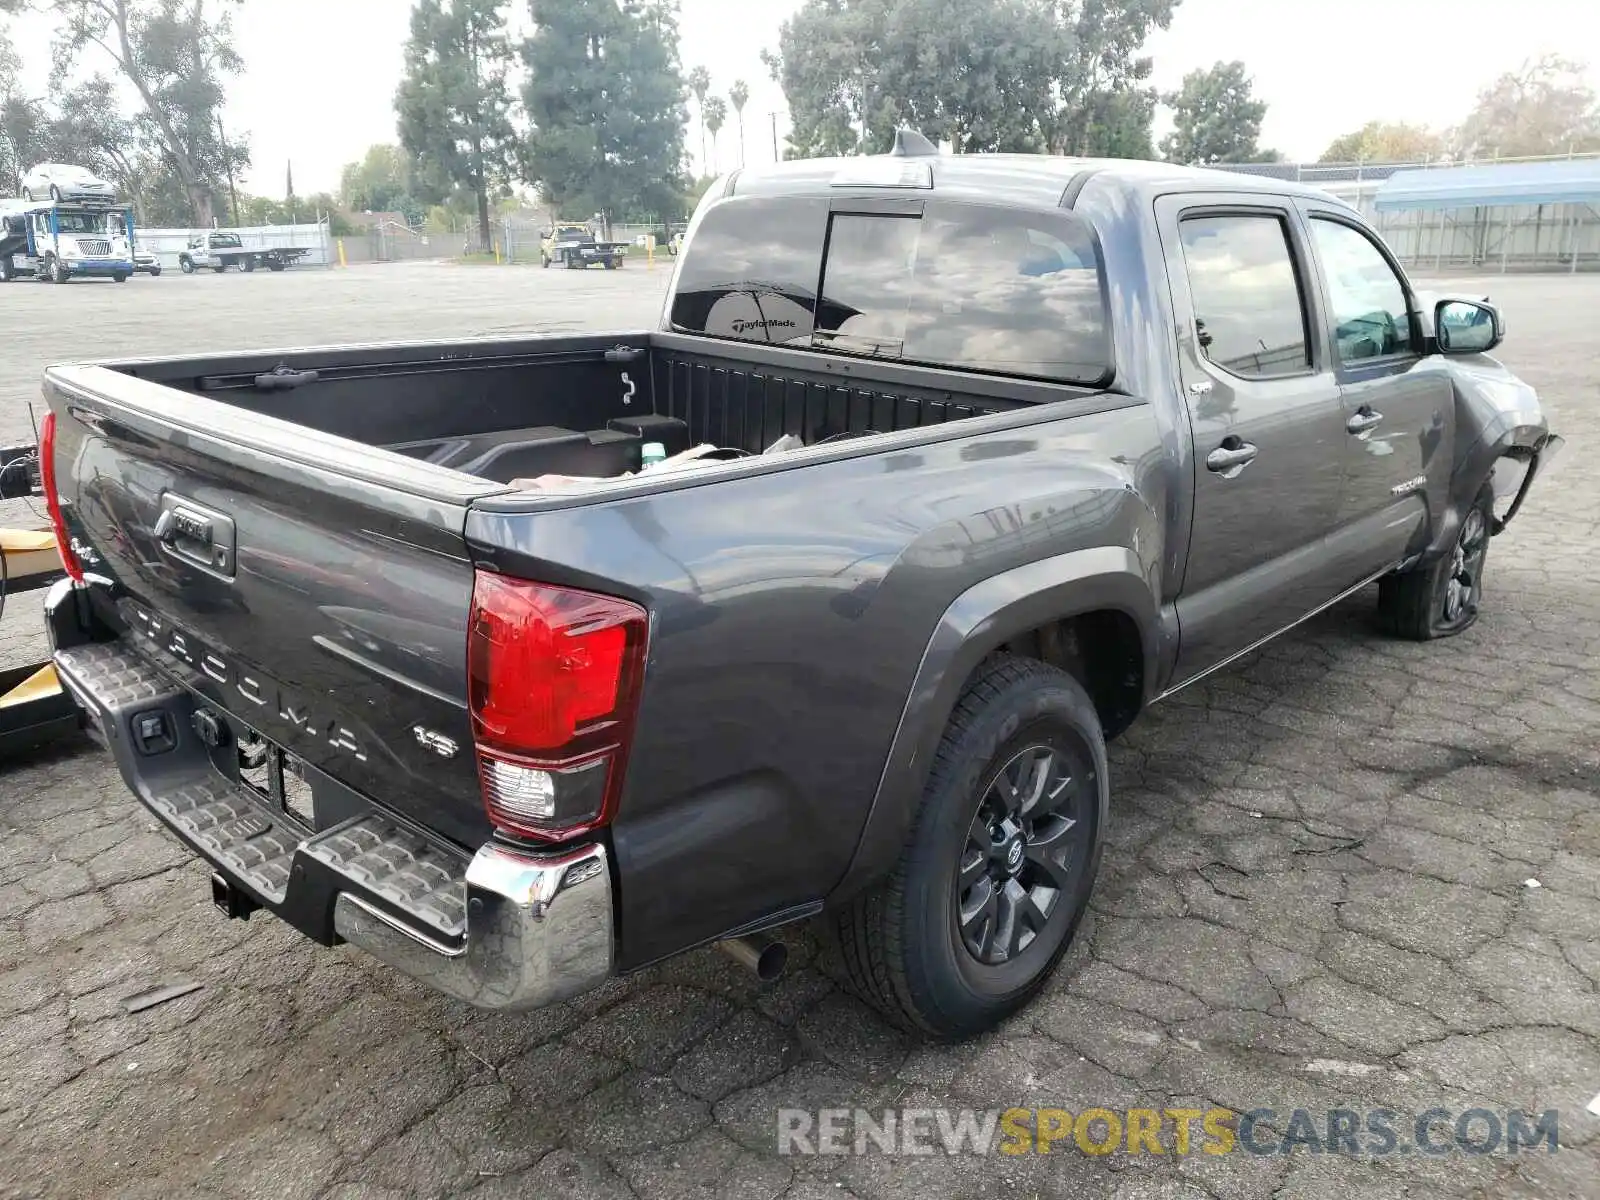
(961, 285)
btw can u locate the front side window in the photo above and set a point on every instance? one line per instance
(1371, 316)
(967, 286)
(1249, 314)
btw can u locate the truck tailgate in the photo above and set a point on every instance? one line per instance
(314, 589)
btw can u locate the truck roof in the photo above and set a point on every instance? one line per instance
(1025, 180)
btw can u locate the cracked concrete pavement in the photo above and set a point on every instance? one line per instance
(1314, 896)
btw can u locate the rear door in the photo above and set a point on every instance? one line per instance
(1399, 407)
(1265, 416)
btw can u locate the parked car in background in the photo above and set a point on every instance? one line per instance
(145, 261)
(61, 181)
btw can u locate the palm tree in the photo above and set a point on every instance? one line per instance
(700, 84)
(712, 114)
(739, 95)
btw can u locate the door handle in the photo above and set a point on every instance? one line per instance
(1364, 421)
(1231, 457)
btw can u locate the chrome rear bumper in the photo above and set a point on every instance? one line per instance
(508, 928)
(538, 931)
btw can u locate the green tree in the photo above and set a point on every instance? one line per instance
(715, 115)
(381, 181)
(739, 96)
(1385, 141)
(454, 104)
(1544, 107)
(177, 56)
(1106, 106)
(1215, 118)
(1117, 124)
(88, 128)
(984, 74)
(605, 97)
(700, 85)
(22, 119)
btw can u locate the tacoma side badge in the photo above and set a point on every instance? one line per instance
(437, 742)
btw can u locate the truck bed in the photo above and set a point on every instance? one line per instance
(337, 623)
(558, 398)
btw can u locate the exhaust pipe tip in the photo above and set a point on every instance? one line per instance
(766, 957)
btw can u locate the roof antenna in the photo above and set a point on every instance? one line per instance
(908, 143)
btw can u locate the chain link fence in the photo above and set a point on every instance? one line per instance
(1502, 238)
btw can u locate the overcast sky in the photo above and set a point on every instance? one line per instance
(320, 74)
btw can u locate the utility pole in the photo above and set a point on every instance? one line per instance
(233, 192)
(776, 157)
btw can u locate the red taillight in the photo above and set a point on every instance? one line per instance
(52, 496)
(553, 681)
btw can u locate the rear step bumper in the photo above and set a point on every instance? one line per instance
(505, 929)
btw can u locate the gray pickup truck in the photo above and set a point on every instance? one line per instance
(1064, 436)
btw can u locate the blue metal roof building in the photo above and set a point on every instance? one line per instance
(1571, 181)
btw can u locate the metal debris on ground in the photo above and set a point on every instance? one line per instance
(170, 990)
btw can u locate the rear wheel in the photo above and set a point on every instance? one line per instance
(274, 264)
(247, 264)
(220, 268)
(997, 871)
(119, 277)
(27, 194)
(55, 193)
(7, 272)
(1441, 599)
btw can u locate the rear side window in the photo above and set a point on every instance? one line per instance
(1249, 312)
(750, 272)
(967, 286)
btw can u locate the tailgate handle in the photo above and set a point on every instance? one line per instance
(196, 535)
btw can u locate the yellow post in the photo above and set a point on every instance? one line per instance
(649, 252)
(342, 263)
(497, 254)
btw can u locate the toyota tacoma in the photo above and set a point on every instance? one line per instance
(422, 649)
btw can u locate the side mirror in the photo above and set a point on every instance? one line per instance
(1467, 327)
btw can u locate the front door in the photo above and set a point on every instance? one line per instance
(1264, 409)
(1399, 408)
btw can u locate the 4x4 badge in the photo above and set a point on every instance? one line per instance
(437, 742)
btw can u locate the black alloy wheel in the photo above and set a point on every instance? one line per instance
(1020, 855)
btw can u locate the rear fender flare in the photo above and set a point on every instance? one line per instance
(976, 624)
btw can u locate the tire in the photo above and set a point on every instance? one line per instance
(220, 268)
(275, 265)
(155, 272)
(27, 194)
(902, 945)
(55, 193)
(7, 272)
(247, 264)
(119, 277)
(544, 261)
(186, 265)
(1441, 599)
(54, 269)
(611, 264)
